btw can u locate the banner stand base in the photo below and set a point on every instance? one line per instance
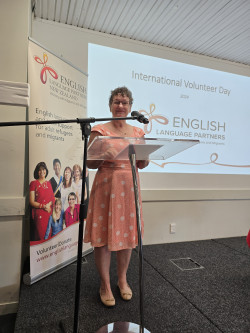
(29, 280)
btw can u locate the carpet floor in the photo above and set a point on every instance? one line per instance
(189, 287)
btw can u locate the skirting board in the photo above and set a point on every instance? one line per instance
(7, 308)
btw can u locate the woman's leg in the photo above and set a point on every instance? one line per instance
(102, 260)
(123, 259)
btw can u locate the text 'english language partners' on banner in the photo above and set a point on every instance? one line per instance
(58, 92)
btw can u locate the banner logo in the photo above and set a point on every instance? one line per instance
(158, 118)
(45, 69)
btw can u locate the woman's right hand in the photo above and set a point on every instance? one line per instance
(109, 154)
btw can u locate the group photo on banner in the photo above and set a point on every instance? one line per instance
(55, 203)
(58, 92)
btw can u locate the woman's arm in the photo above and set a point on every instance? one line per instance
(93, 164)
(34, 203)
(141, 164)
(48, 228)
(48, 206)
(51, 197)
(38, 205)
(77, 197)
(66, 217)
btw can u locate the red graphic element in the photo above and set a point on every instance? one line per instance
(160, 119)
(43, 74)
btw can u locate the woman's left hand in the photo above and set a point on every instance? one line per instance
(142, 164)
(47, 207)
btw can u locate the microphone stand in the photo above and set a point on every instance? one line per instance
(86, 130)
(132, 159)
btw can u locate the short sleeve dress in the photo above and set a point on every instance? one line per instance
(111, 218)
(43, 195)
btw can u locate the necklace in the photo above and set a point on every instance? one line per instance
(43, 184)
(122, 132)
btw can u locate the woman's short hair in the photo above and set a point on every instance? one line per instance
(38, 167)
(72, 194)
(124, 91)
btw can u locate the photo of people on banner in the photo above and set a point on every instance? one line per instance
(55, 203)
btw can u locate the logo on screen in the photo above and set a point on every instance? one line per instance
(45, 69)
(152, 118)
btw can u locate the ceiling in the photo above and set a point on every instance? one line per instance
(215, 28)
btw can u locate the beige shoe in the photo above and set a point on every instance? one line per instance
(126, 293)
(106, 301)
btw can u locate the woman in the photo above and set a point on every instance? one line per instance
(41, 199)
(56, 220)
(77, 182)
(111, 221)
(66, 187)
(72, 212)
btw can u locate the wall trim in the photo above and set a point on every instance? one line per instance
(7, 308)
(12, 206)
(194, 195)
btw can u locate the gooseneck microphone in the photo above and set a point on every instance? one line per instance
(140, 117)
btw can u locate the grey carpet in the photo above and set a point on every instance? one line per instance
(220, 291)
(212, 299)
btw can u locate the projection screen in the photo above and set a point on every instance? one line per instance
(181, 101)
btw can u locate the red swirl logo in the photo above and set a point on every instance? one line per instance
(46, 69)
(158, 118)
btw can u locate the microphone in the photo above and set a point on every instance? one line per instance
(140, 117)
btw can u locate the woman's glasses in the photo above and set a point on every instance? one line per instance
(118, 103)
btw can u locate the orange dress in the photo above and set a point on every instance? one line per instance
(111, 218)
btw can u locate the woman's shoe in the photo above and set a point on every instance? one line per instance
(106, 301)
(126, 293)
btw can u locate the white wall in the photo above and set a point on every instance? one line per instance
(14, 23)
(202, 206)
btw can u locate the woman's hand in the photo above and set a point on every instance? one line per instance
(109, 154)
(47, 207)
(38, 205)
(142, 164)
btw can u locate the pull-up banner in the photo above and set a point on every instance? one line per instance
(58, 91)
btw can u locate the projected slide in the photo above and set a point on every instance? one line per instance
(182, 102)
